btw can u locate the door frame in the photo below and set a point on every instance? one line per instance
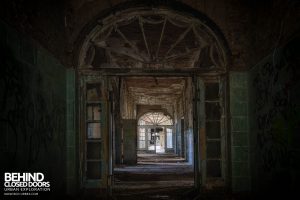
(199, 179)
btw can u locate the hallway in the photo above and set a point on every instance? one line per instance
(151, 99)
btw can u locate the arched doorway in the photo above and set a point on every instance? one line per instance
(155, 133)
(142, 43)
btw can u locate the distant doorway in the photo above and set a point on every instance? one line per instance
(156, 139)
(155, 133)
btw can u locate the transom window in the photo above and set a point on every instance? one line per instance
(155, 118)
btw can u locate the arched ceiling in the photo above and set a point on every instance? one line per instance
(152, 39)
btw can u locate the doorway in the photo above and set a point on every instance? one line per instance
(166, 66)
(155, 133)
(151, 139)
(157, 104)
(150, 122)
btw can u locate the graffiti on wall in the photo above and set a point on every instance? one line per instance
(31, 114)
(277, 120)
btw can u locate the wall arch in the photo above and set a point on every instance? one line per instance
(171, 9)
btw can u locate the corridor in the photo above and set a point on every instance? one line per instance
(151, 99)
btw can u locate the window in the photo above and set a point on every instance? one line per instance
(213, 130)
(142, 137)
(93, 139)
(169, 138)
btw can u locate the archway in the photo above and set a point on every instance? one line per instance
(157, 38)
(156, 43)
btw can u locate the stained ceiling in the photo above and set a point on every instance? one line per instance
(155, 90)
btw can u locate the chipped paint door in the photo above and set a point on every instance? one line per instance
(94, 135)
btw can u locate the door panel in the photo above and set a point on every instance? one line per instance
(130, 141)
(210, 122)
(94, 132)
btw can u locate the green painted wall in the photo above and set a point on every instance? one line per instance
(265, 118)
(33, 109)
(240, 161)
(71, 135)
(274, 120)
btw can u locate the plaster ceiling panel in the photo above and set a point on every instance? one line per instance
(155, 91)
